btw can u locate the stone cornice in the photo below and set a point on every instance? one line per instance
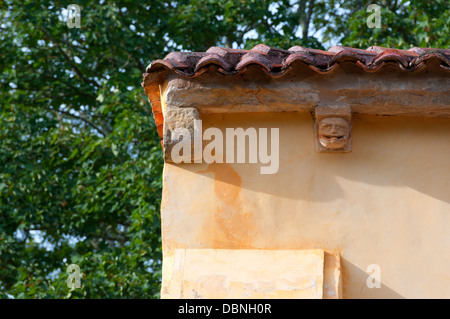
(389, 93)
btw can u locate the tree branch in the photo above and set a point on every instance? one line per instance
(78, 90)
(86, 120)
(80, 74)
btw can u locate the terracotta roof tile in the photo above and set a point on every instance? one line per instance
(276, 62)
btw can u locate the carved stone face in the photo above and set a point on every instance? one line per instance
(333, 132)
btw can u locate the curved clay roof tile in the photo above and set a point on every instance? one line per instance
(276, 61)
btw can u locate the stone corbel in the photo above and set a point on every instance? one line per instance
(333, 129)
(181, 132)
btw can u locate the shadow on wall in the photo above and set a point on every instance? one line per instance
(358, 278)
(361, 204)
(387, 151)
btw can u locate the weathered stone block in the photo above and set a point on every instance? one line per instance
(178, 126)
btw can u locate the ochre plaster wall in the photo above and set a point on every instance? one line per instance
(386, 203)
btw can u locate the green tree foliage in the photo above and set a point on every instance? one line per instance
(80, 160)
(404, 24)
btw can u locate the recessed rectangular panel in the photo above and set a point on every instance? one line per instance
(243, 273)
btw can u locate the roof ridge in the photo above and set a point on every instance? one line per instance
(276, 62)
